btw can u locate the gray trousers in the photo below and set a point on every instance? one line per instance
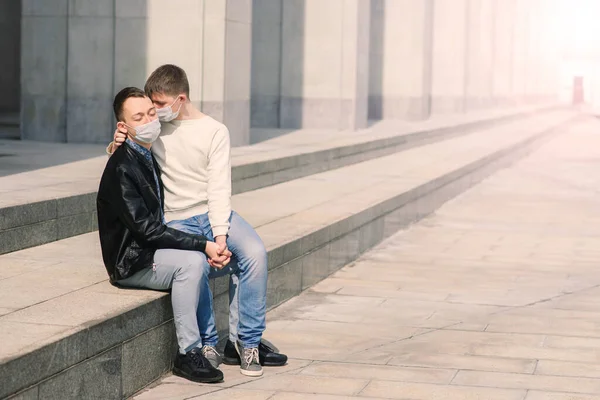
(181, 271)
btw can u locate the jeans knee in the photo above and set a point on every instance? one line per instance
(254, 259)
(256, 252)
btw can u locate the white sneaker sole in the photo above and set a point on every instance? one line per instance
(253, 374)
(245, 372)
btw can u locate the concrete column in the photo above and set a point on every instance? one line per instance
(90, 61)
(449, 56)
(400, 59)
(532, 68)
(554, 49)
(266, 63)
(150, 33)
(541, 61)
(480, 54)
(135, 23)
(226, 65)
(549, 45)
(325, 62)
(44, 70)
(520, 51)
(503, 52)
(10, 48)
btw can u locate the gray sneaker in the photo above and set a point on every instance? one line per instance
(250, 365)
(212, 355)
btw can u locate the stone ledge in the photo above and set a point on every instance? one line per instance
(80, 340)
(31, 222)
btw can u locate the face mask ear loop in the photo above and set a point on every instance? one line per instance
(180, 105)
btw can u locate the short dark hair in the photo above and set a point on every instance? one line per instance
(168, 79)
(122, 96)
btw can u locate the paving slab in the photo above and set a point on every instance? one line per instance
(523, 326)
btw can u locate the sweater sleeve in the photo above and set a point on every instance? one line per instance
(219, 182)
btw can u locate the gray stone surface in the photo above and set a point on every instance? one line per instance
(130, 68)
(447, 104)
(303, 112)
(31, 394)
(45, 8)
(344, 250)
(324, 69)
(371, 234)
(147, 356)
(10, 47)
(274, 63)
(28, 369)
(129, 324)
(516, 257)
(266, 63)
(27, 214)
(400, 96)
(237, 114)
(98, 377)
(220, 285)
(43, 95)
(27, 236)
(315, 266)
(85, 203)
(73, 225)
(86, 8)
(410, 108)
(221, 309)
(225, 77)
(89, 87)
(285, 282)
(298, 227)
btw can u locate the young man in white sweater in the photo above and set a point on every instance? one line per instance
(193, 153)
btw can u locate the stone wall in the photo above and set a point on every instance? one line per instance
(276, 64)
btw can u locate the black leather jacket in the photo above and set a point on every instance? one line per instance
(130, 216)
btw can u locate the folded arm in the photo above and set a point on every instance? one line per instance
(147, 226)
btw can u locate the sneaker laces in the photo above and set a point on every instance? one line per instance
(198, 359)
(251, 355)
(210, 350)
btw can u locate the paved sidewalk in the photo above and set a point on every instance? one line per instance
(495, 297)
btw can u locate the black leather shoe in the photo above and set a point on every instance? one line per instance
(195, 367)
(268, 355)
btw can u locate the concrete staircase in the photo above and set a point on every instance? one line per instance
(59, 202)
(68, 334)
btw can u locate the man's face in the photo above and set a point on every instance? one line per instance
(161, 100)
(138, 111)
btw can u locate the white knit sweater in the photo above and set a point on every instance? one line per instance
(194, 159)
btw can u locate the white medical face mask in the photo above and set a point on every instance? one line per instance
(166, 114)
(147, 133)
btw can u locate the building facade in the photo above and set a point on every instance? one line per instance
(273, 63)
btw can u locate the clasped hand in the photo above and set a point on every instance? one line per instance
(217, 253)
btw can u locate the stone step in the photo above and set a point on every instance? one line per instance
(9, 125)
(67, 333)
(58, 202)
(10, 119)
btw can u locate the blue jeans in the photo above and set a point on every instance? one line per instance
(247, 284)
